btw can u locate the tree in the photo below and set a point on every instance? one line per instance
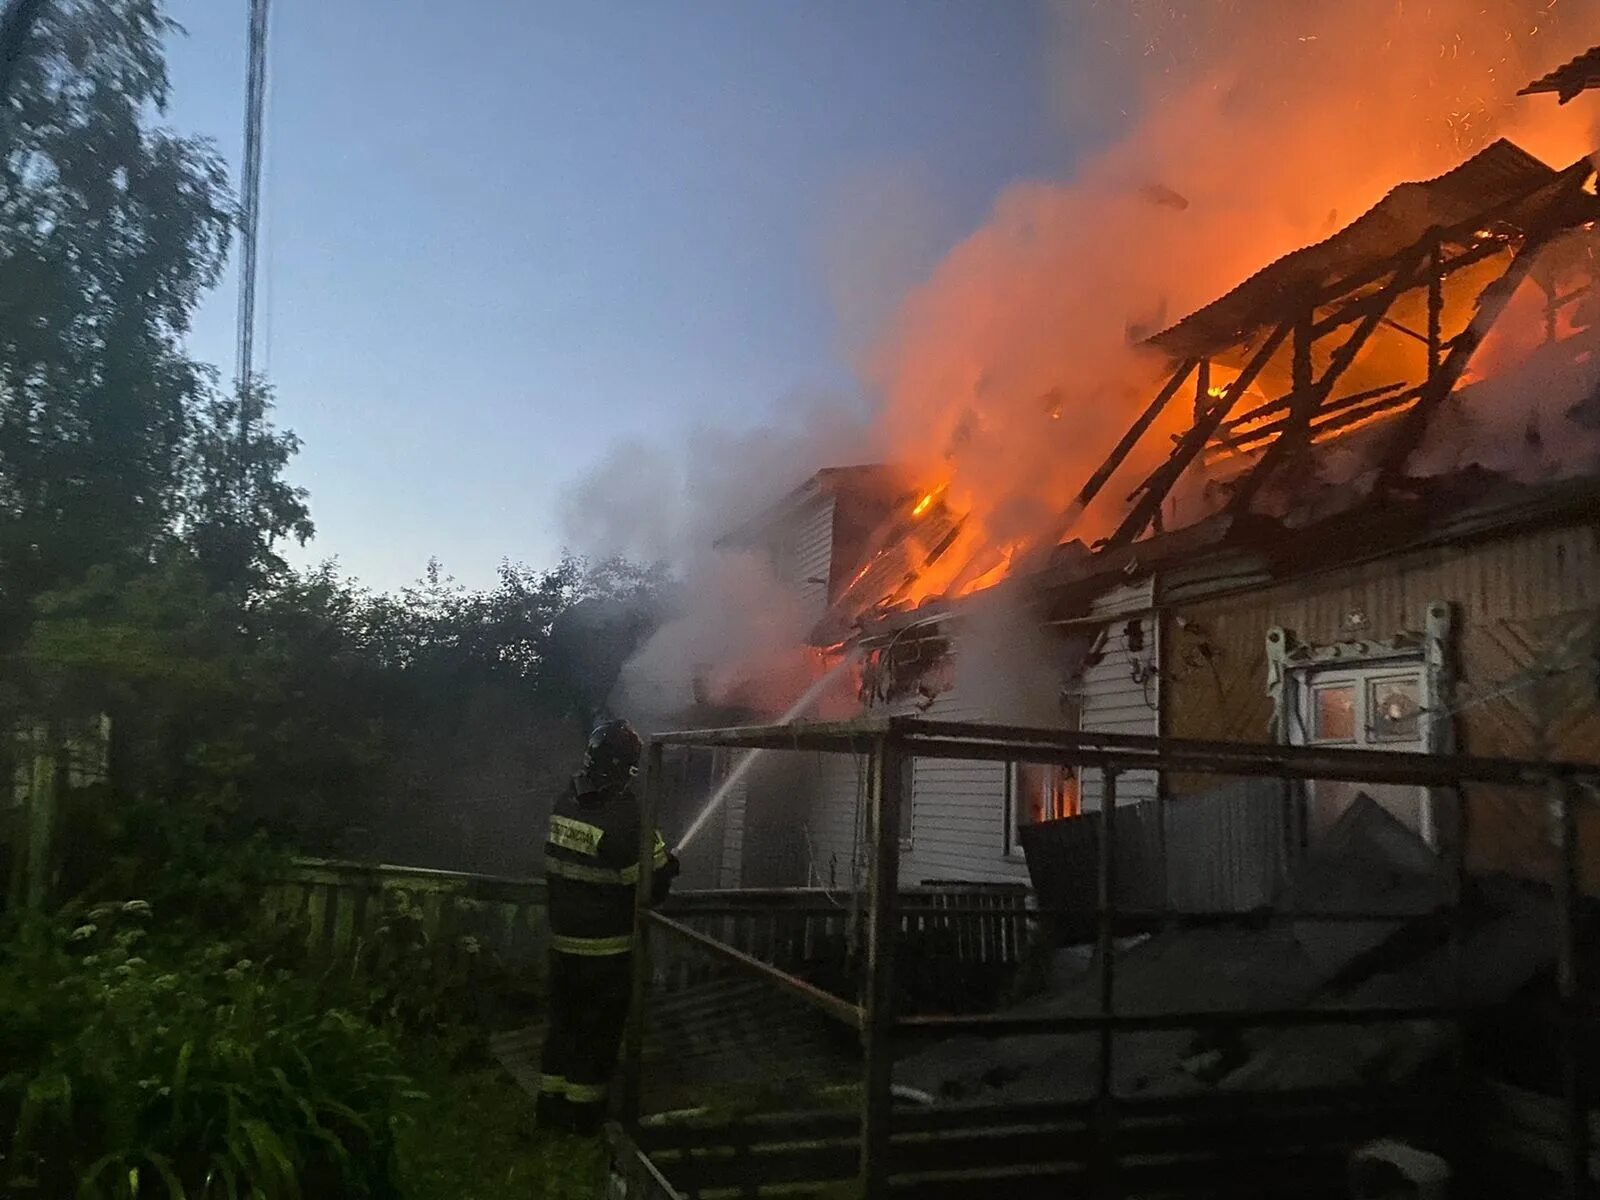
(110, 231)
(237, 506)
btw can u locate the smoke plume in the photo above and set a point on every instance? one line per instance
(1261, 128)
(1230, 133)
(1007, 665)
(736, 636)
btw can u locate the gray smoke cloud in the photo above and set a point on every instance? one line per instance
(737, 634)
(1007, 665)
(1219, 136)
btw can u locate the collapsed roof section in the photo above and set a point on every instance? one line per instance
(1374, 327)
(1451, 252)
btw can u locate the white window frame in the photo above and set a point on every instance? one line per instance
(1361, 680)
(1294, 668)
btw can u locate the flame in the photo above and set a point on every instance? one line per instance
(1257, 119)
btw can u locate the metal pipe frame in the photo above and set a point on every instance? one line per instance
(1213, 916)
(995, 1025)
(840, 1010)
(1123, 751)
(878, 1016)
(891, 739)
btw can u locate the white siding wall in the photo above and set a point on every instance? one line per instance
(1113, 702)
(833, 840)
(732, 866)
(958, 824)
(802, 555)
(806, 554)
(958, 808)
(958, 814)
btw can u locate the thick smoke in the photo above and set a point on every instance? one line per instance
(737, 634)
(1232, 132)
(1008, 666)
(1010, 374)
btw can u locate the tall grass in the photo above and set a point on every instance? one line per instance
(133, 1067)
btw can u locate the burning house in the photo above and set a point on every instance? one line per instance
(1373, 526)
(1281, 707)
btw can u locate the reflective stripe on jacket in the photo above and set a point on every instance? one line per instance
(592, 870)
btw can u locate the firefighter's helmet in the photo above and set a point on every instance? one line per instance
(612, 755)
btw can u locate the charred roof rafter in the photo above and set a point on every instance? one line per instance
(1566, 211)
(1309, 395)
(1501, 202)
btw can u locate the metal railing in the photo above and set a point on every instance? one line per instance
(890, 740)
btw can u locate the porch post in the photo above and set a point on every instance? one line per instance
(1576, 1161)
(633, 1045)
(878, 1015)
(1106, 1117)
(41, 820)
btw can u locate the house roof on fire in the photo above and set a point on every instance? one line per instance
(1568, 80)
(1501, 207)
(864, 479)
(1499, 174)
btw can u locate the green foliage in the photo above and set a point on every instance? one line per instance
(238, 507)
(111, 230)
(143, 506)
(416, 984)
(213, 702)
(187, 859)
(136, 1068)
(475, 1139)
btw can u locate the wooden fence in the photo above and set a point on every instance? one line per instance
(961, 941)
(343, 904)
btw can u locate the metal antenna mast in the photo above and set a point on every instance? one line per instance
(250, 205)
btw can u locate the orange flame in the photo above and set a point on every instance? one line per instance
(1254, 119)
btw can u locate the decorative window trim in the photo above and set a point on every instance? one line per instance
(1433, 647)
(1291, 662)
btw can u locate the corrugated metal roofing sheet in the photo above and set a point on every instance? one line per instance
(1568, 80)
(1493, 176)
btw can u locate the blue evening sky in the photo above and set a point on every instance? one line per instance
(500, 234)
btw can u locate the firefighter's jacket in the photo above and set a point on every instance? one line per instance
(591, 866)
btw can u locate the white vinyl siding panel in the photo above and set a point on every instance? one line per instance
(806, 554)
(1114, 701)
(833, 843)
(958, 825)
(957, 815)
(733, 806)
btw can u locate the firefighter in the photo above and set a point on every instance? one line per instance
(592, 873)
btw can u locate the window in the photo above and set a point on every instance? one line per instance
(1035, 793)
(1377, 706)
(1374, 707)
(1394, 709)
(1333, 712)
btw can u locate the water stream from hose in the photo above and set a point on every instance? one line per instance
(749, 758)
